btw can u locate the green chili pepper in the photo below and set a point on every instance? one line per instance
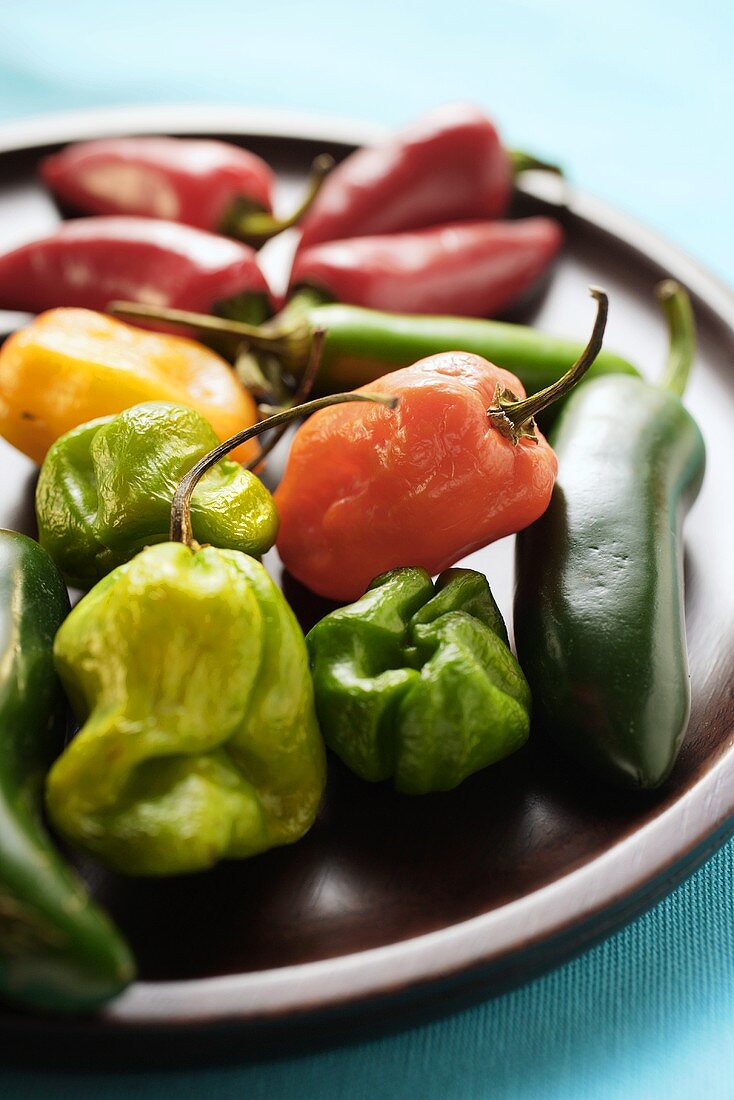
(417, 682)
(360, 345)
(599, 604)
(57, 950)
(105, 491)
(199, 739)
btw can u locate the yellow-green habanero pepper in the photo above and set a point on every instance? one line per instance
(199, 740)
(105, 491)
(416, 681)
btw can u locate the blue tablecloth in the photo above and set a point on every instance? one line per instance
(635, 98)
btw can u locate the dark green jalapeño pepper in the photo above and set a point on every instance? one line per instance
(417, 682)
(105, 491)
(599, 602)
(57, 950)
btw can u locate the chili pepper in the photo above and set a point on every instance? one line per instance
(599, 602)
(360, 345)
(418, 683)
(447, 165)
(457, 466)
(57, 949)
(93, 515)
(208, 184)
(70, 366)
(89, 261)
(190, 674)
(473, 269)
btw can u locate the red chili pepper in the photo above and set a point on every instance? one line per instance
(208, 184)
(90, 261)
(455, 466)
(470, 269)
(448, 165)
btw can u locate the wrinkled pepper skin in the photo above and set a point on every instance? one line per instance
(468, 269)
(599, 599)
(367, 489)
(199, 742)
(189, 180)
(447, 165)
(58, 951)
(417, 683)
(105, 491)
(360, 345)
(70, 366)
(89, 262)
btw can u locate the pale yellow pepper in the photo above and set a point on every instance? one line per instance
(70, 366)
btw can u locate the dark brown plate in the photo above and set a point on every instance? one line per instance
(394, 907)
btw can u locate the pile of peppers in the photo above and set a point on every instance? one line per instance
(202, 712)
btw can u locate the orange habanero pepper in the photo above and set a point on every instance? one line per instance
(69, 366)
(458, 464)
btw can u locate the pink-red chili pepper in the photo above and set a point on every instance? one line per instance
(90, 261)
(449, 164)
(469, 269)
(208, 184)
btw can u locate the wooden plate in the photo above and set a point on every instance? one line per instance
(392, 907)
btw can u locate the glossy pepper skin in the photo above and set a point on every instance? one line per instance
(89, 262)
(426, 483)
(472, 268)
(190, 180)
(199, 740)
(599, 600)
(417, 682)
(449, 164)
(105, 491)
(70, 366)
(58, 951)
(360, 345)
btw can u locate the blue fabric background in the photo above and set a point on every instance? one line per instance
(635, 97)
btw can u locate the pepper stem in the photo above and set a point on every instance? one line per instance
(264, 336)
(258, 226)
(676, 306)
(304, 389)
(180, 530)
(515, 419)
(526, 162)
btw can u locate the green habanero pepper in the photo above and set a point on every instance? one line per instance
(58, 951)
(190, 675)
(418, 682)
(599, 602)
(199, 740)
(105, 490)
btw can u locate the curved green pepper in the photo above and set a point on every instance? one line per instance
(105, 491)
(57, 950)
(417, 682)
(362, 344)
(599, 601)
(199, 739)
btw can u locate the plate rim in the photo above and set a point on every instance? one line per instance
(670, 845)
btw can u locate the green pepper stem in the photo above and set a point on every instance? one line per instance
(515, 419)
(304, 389)
(259, 336)
(525, 162)
(676, 306)
(180, 530)
(258, 226)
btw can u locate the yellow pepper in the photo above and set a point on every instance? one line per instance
(70, 366)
